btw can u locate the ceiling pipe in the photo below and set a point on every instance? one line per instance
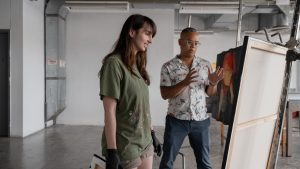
(189, 21)
(239, 23)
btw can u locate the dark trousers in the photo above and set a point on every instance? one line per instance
(175, 132)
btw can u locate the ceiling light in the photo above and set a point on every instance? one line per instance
(209, 7)
(98, 6)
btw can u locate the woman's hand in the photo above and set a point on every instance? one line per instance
(112, 159)
(156, 144)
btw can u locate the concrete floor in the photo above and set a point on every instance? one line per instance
(72, 147)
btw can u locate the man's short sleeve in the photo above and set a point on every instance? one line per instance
(165, 79)
(110, 78)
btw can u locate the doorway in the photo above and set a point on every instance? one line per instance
(4, 83)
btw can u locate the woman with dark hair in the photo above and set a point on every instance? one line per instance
(127, 139)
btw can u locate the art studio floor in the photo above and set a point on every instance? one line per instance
(72, 147)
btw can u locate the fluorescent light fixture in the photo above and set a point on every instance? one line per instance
(209, 7)
(97, 6)
(178, 31)
(266, 9)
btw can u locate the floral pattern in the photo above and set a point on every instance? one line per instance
(191, 103)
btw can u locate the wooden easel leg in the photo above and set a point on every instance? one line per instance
(222, 134)
(283, 138)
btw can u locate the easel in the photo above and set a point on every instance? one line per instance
(291, 56)
(222, 134)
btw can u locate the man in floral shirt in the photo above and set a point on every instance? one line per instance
(185, 81)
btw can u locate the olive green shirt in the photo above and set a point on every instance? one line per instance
(133, 135)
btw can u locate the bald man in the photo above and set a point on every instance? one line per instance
(185, 81)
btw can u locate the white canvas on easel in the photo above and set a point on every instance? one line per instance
(257, 105)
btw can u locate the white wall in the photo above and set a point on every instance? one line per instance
(89, 38)
(5, 14)
(33, 66)
(16, 67)
(25, 21)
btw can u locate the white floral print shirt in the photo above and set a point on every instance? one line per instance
(191, 103)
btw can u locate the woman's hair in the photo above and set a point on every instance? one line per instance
(123, 45)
